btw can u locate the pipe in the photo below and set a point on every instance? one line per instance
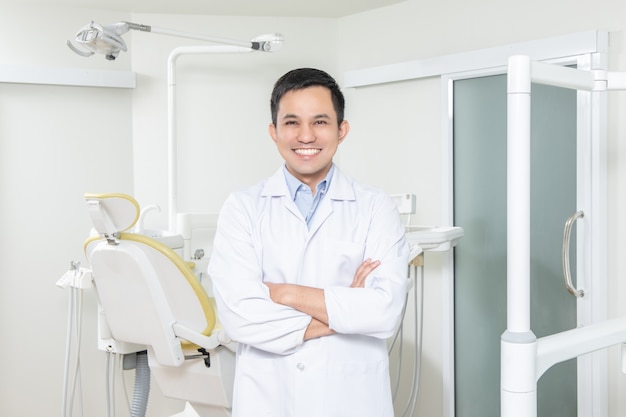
(518, 344)
(518, 195)
(142, 386)
(172, 140)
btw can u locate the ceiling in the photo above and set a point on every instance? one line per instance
(295, 8)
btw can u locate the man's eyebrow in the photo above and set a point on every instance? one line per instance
(295, 116)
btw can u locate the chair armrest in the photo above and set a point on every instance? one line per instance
(217, 338)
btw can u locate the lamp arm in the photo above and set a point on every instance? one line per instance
(108, 39)
(179, 34)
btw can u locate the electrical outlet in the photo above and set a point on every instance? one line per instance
(404, 202)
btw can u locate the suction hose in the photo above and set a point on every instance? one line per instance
(142, 386)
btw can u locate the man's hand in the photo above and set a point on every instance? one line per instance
(362, 272)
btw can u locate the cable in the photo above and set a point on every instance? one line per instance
(110, 395)
(419, 326)
(400, 334)
(419, 338)
(399, 329)
(68, 344)
(113, 379)
(78, 300)
(396, 384)
(124, 387)
(74, 335)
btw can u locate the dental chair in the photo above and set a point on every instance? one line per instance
(150, 301)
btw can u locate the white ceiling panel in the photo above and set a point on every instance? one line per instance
(318, 8)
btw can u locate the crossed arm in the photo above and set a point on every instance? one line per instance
(310, 300)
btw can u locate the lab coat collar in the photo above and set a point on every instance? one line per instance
(341, 187)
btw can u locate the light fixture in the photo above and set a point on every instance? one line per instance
(107, 40)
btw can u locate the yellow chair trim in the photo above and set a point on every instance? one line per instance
(91, 196)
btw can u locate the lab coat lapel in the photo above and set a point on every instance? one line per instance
(340, 190)
(276, 186)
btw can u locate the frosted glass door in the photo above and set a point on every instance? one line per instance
(480, 260)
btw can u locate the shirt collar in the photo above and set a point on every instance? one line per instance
(294, 184)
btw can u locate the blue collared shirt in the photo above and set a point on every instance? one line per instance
(302, 195)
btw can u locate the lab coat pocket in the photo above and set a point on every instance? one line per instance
(358, 389)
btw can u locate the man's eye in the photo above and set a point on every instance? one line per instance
(291, 122)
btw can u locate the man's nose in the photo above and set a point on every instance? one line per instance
(306, 134)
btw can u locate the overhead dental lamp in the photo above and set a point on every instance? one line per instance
(107, 40)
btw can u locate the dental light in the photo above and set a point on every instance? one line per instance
(107, 40)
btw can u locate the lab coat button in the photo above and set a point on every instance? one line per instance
(300, 366)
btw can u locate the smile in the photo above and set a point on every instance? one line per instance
(307, 151)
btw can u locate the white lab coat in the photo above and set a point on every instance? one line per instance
(262, 236)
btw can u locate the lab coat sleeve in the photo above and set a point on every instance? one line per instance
(244, 306)
(376, 309)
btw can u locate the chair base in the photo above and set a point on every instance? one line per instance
(199, 410)
(196, 383)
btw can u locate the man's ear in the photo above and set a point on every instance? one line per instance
(272, 131)
(344, 129)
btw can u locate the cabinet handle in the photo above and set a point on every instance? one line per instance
(566, 242)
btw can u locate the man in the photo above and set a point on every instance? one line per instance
(309, 270)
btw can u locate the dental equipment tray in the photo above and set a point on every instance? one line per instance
(436, 238)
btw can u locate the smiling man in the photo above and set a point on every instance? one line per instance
(309, 270)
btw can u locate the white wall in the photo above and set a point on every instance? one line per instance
(58, 142)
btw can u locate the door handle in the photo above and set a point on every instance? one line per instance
(566, 242)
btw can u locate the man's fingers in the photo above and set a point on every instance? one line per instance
(363, 271)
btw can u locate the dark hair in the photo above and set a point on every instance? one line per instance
(301, 78)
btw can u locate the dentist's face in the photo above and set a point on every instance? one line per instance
(307, 133)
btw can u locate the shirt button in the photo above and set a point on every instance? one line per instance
(300, 366)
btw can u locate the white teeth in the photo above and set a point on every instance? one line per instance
(307, 151)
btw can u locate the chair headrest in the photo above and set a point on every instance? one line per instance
(112, 213)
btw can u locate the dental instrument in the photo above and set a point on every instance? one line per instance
(76, 278)
(107, 39)
(524, 357)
